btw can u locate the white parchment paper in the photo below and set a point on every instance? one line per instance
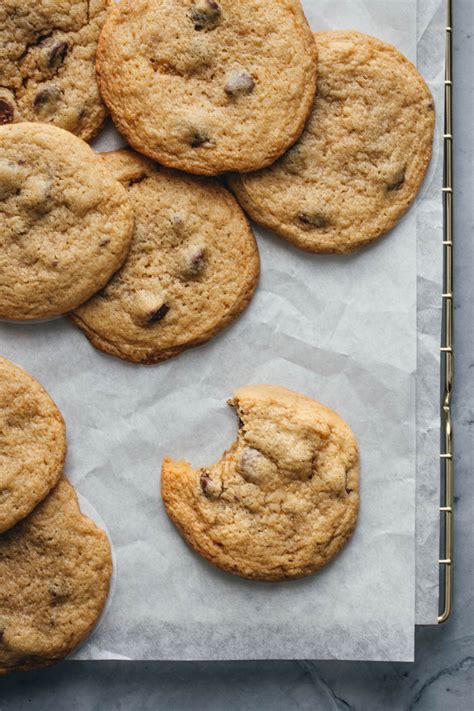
(340, 329)
(430, 32)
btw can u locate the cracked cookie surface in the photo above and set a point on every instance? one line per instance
(32, 444)
(47, 63)
(282, 501)
(55, 568)
(208, 86)
(65, 222)
(192, 267)
(362, 156)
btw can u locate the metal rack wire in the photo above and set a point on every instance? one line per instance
(447, 348)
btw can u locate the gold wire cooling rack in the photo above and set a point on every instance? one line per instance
(447, 352)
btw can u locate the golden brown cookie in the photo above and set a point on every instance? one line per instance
(47, 63)
(192, 267)
(362, 156)
(208, 86)
(282, 501)
(55, 568)
(65, 222)
(32, 444)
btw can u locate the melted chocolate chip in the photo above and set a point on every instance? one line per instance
(196, 263)
(138, 179)
(57, 54)
(45, 96)
(397, 183)
(158, 314)
(311, 221)
(198, 138)
(239, 83)
(204, 480)
(210, 488)
(205, 14)
(346, 486)
(6, 112)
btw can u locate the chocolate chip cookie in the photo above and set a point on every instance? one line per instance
(282, 501)
(65, 222)
(32, 444)
(192, 268)
(362, 156)
(55, 568)
(47, 63)
(208, 86)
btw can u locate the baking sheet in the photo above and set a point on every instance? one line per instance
(341, 329)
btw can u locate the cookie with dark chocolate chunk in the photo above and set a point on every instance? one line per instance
(361, 158)
(284, 498)
(192, 267)
(47, 63)
(208, 86)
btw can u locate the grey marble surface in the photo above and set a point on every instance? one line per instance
(442, 676)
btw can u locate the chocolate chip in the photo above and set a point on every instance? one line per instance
(48, 95)
(205, 14)
(310, 221)
(6, 112)
(177, 222)
(193, 261)
(397, 182)
(198, 138)
(204, 480)
(137, 179)
(238, 83)
(346, 485)
(197, 262)
(57, 53)
(157, 314)
(104, 242)
(210, 488)
(255, 467)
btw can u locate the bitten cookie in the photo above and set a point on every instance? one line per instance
(47, 63)
(55, 568)
(282, 501)
(192, 267)
(65, 222)
(32, 444)
(362, 156)
(208, 86)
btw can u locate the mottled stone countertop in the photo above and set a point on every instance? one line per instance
(442, 676)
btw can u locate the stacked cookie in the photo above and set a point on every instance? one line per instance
(55, 564)
(149, 261)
